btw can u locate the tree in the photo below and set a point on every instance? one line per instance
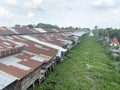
(96, 27)
(46, 26)
(30, 26)
(17, 25)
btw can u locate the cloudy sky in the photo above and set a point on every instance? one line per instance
(83, 13)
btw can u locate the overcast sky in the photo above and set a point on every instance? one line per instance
(83, 13)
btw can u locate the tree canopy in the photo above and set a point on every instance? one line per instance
(42, 25)
(109, 32)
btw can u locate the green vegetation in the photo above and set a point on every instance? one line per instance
(48, 26)
(87, 67)
(106, 37)
(107, 32)
(39, 25)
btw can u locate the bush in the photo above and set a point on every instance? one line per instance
(116, 47)
(108, 52)
(118, 58)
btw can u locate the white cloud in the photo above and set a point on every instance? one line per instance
(37, 1)
(30, 15)
(28, 4)
(4, 12)
(11, 2)
(97, 3)
(105, 3)
(101, 19)
(32, 3)
(100, 12)
(116, 11)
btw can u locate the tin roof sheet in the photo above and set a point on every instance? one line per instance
(12, 29)
(50, 38)
(22, 30)
(12, 60)
(78, 33)
(40, 30)
(44, 43)
(6, 79)
(19, 65)
(5, 31)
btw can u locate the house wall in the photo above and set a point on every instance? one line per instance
(30, 79)
(12, 86)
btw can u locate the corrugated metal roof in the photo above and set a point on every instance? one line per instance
(22, 30)
(55, 30)
(39, 48)
(17, 42)
(67, 41)
(50, 38)
(19, 65)
(13, 30)
(40, 30)
(6, 79)
(5, 31)
(35, 47)
(37, 58)
(49, 30)
(44, 43)
(79, 33)
(12, 60)
(14, 71)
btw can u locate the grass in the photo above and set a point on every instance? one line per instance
(87, 67)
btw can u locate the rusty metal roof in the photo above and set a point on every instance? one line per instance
(50, 39)
(19, 65)
(12, 29)
(32, 57)
(5, 31)
(44, 43)
(23, 30)
(39, 48)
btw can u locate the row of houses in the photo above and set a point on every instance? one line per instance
(28, 55)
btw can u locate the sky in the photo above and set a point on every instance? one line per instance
(76, 13)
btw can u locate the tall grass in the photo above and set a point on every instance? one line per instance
(87, 67)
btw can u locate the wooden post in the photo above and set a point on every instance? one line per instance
(39, 81)
(33, 86)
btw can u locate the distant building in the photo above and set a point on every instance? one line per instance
(91, 34)
(115, 42)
